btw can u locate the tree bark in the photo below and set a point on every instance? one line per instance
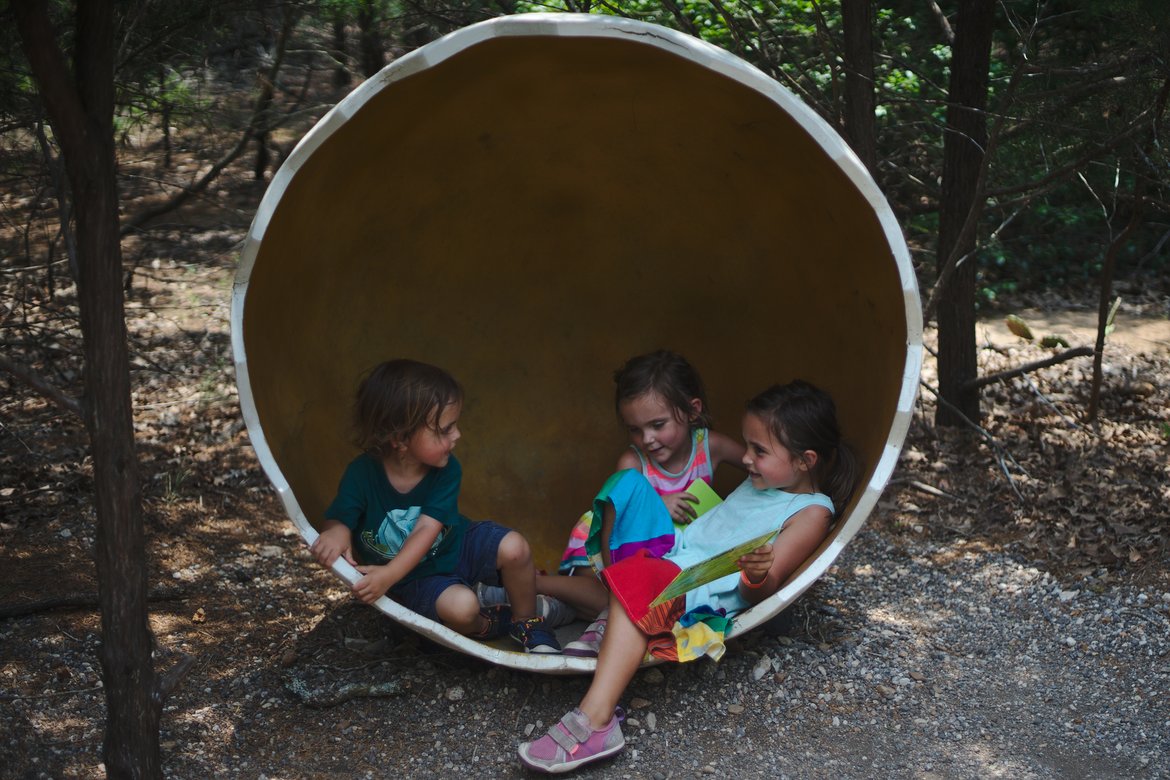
(964, 146)
(372, 50)
(857, 22)
(79, 100)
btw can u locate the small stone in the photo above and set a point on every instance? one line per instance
(271, 551)
(885, 690)
(1068, 595)
(455, 693)
(638, 704)
(735, 709)
(651, 721)
(531, 727)
(917, 676)
(708, 770)
(653, 676)
(288, 657)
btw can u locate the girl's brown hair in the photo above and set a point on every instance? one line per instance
(396, 399)
(803, 417)
(669, 375)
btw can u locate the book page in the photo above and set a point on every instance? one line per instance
(708, 498)
(711, 569)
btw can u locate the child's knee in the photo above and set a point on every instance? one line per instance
(513, 551)
(458, 608)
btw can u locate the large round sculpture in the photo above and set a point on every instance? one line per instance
(528, 202)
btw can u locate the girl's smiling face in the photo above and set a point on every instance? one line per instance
(658, 430)
(769, 463)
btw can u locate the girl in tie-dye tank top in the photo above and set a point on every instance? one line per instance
(661, 401)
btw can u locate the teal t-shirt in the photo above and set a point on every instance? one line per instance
(381, 518)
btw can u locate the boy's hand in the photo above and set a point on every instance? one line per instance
(681, 506)
(757, 563)
(373, 586)
(334, 542)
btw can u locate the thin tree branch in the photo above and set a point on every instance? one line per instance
(44, 387)
(255, 124)
(943, 23)
(1114, 250)
(1067, 355)
(77, 601)
(1001, 455)
(170, 679)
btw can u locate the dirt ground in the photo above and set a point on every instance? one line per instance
(233, 588)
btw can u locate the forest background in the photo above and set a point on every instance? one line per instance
(1019, 143)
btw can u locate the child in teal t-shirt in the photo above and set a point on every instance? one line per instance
(396, 514)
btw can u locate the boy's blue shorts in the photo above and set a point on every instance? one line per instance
(477, 563)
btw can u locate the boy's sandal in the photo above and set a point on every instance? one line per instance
(499, 622)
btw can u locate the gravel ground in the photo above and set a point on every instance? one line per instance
(935, 648)
(923, 661)
(916, 659)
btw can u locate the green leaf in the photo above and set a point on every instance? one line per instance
(1112, 313)
(1017, 326)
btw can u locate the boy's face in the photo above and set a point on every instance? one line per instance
(656, 428)
(431, 445)
(768, 462)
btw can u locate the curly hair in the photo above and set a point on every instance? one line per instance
(397, 398)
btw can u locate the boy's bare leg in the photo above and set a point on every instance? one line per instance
(622, 651)
(583, 592)
(458, 608)
(517, 575)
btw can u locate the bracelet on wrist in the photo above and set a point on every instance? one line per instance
(743, 578)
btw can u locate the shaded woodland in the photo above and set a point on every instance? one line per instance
(1021, 145)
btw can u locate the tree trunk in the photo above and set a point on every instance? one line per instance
(80, 105)
(857, 21)
(341, 76)
(372, 49)
(963, 149)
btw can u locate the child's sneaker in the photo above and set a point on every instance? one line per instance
(588, 645)
(572, 743)
(532, 634)
(490, 595)
(499, 620)
(556, 613)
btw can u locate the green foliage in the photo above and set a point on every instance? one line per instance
(174, 97)
(1072, 83)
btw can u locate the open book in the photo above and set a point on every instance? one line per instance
(716, 566)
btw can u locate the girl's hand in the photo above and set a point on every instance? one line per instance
(373, 586)
(681, 507)
(757, 563)
(333, 543)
